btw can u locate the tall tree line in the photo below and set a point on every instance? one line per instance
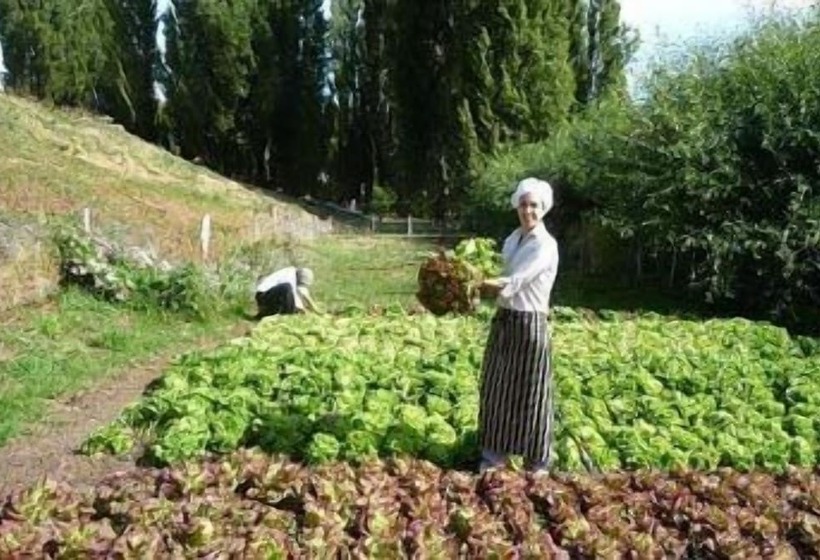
(99, 54)
(398, 94)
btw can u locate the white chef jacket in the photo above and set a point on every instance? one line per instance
(530, 268)
(283, 276)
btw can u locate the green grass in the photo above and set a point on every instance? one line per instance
(77, 341)
(365, 270)
(57, 162)
(80, 341)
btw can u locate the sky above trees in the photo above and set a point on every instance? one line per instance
(666, 25)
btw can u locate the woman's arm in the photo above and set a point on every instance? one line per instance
(308, 301)
(540, 256)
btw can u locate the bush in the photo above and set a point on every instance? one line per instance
(383, 200)
(134, 277)
(567, 161)
(726, 164)
(715, 173)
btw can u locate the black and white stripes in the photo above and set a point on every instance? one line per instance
(516, 412)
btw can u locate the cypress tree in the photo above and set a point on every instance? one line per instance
(378, 93)
(602, 46)
(616, 45)
(132, 64)
(54, 49)
(298, 123)
(349, 149)
(209, 51)
(425, 66)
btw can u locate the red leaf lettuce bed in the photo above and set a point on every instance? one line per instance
(255, 506)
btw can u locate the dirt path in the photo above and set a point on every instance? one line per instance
(48, 449)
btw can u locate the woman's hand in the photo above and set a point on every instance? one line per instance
(310, 305)
(495, 283)
(491, 286)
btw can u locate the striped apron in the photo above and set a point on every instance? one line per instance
(516, 407)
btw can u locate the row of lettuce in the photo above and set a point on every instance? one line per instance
(636, 391)
(252, 505)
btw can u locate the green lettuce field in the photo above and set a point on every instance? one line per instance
(633, 392)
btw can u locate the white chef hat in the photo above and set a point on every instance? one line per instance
(540, 191)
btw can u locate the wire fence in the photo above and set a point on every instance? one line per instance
(346, 220)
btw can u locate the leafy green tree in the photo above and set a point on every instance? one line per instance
(426, 71)
(349, 147)
(364, 136)
(299, 122)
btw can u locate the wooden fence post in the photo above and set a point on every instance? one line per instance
(87, 219)
(409, 225)
(205, 236)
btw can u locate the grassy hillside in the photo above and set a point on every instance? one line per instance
(55, 162)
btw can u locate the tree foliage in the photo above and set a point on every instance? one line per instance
(132, 66)
(713, 176)
(437, 108)
(98, 54)
(403, 96)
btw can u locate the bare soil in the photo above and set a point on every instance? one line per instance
(49, 448)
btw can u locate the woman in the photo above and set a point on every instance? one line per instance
(516, 407)
(285, 292)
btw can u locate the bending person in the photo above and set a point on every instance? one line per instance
(285, 292)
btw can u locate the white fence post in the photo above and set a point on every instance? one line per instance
(373, 223)
(87, 219)
(409, 225)
(205, 236)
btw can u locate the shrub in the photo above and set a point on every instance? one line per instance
(134, 277)
(715, 173)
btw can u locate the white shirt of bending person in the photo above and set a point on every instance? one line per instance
(283, 276)
(530, 268)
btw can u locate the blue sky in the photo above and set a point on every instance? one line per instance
(662, 23)
(665, 24)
